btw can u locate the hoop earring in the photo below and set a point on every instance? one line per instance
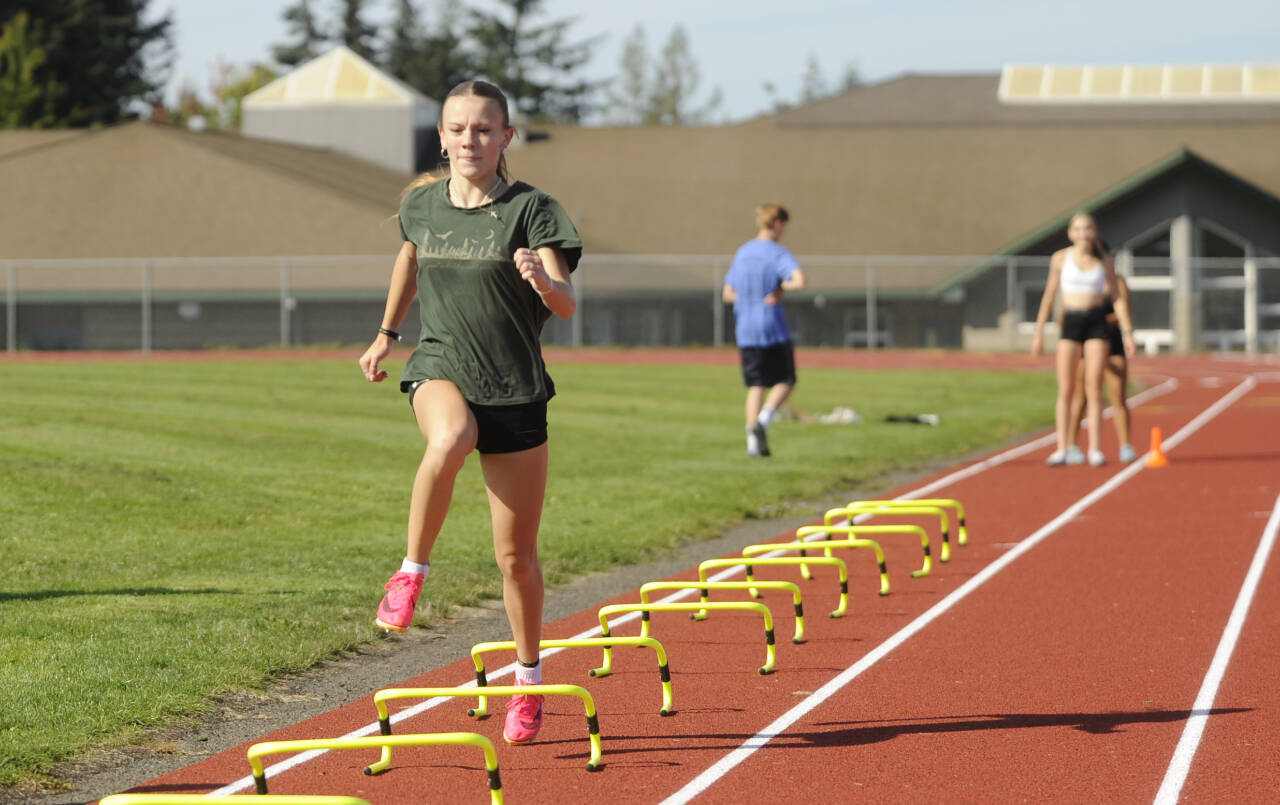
(444, 154)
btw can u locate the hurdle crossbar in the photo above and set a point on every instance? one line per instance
(381, 698)
(783, 561)
(752, 606)
(243, 799)
(704, 587)
(852, 532)
(606, 667)
(885, 508)
(385, 742)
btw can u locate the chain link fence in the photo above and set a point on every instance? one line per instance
(857, 301)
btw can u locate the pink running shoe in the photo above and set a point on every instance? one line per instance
(395, 613)
(524, 718)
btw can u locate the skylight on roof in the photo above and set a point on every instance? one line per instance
(1131, 83)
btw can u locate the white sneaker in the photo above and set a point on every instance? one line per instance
(1096, 459)
(1127, 453)
(1057, 458)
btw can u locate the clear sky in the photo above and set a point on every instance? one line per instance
(741, 44)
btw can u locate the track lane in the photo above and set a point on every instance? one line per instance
(995, 707)
(719, 698)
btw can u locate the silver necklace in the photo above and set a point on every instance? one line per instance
(488, 195)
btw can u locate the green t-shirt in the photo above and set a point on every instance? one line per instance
(481, 323)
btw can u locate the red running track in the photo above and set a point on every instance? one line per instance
(1056, 658)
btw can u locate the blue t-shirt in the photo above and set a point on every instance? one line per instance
(758, 269)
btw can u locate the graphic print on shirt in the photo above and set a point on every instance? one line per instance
(445, 246)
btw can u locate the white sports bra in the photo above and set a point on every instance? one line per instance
(1074, 280)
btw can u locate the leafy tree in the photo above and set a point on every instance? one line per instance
(230, 89)
(675, 84)
(851, 78)
(433, 60)
(813, 86)
(100, 58)
(25, 101)
(628, 93)
(354, 32)
(308, 36)
(660, 94)
(533, 63)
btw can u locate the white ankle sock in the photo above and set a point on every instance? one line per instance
(413, 567)
(766, 416)
(527, 675)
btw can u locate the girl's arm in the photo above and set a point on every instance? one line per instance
(1120, 301)
(547, 271)
(1046, 303)
(404, 285)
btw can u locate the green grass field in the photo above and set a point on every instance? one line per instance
(170, 531)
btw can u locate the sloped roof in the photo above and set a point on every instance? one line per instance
(144, 190)
(862, 189)
(339, 76)
(1182, 159)
(967, 99)
(13, 140)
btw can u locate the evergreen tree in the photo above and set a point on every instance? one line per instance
(101, 59)
(25, 100)
(354, 32)
(431, 60)
(305, 30)
(533, 63)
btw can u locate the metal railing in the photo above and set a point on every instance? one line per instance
(852, 300)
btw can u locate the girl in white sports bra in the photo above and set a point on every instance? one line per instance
(1085, 274)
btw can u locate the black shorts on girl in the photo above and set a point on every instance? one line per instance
(768, 366)
(502, 428)
(1085, 325)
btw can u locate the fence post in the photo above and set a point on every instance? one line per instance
(1011, 301)
(717, 303)
(285, 328)
(11, 307)
(871, 305)
(146, 307)
(1250, 301)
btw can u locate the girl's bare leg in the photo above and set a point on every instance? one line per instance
(1096, 351)
(450, 430)
(1117, 380)
(1067, 359)
(517, 484)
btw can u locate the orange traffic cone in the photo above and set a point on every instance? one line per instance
(1156, 458)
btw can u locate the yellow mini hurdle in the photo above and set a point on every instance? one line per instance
(752, 606)
(888, 508)
(607, 643)
(381, 698)
(853, 530)
(243, 799)
(385, 742)
(706, 586)
(783, 561)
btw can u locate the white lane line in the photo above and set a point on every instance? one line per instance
(409, 712)
(1185, 752)
(727, 763)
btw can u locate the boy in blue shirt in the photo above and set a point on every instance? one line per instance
(761, 271)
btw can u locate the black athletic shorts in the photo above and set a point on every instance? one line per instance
(768, 366)
(502, 428)
(1085, 325)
